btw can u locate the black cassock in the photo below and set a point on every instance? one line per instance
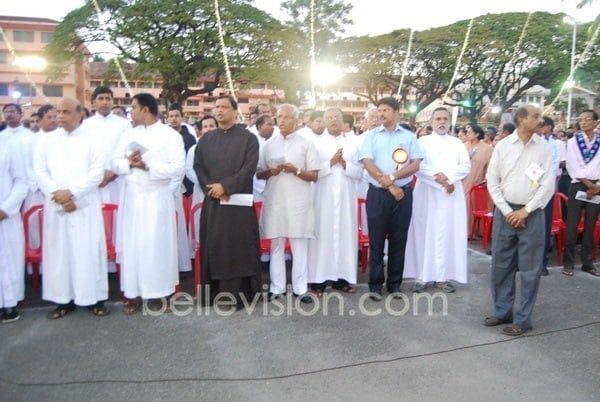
(229, 237)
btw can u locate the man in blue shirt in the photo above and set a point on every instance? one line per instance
(391, 156)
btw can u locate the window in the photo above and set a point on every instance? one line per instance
(3, 57)
(95, 84)
(23, 36)
(145, 85)
(25, 89)
(53, 90)
(47, 37)
(3, 89)
(193, 103)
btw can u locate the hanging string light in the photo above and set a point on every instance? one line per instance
(406, 60)
(224, 50)
(460, 56)
(513, 57)
(12, 52)
(102, 26)
(313, 61)
(581, 61)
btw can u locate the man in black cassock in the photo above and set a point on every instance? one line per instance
(225, 163)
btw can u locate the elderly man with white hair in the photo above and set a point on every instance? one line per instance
(289, 163)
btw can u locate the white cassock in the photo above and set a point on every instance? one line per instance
(287, 209)
(436, 249)
(147, 244)
(198, 194)
(109, 130)
(332, 255)
(184, 245)
(13, 189)
(74, 245)
(258, 186)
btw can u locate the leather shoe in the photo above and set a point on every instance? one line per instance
(494, 321)
(376, 296)
(306, 299)
(273, 296)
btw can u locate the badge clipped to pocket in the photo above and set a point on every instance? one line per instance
(534, 172)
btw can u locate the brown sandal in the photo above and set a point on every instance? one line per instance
(100, 311)
(568, 271)
(592, 271)
(59, 312)
(347, 289)
(132, 307)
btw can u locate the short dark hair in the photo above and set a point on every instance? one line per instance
(119, 107)
(479, 131)
(231, 100)
(521, 113)
(262, 119)
(36, 114)
(389, 101)
(43, 110)
(593, 112)
(548, 122)
(407, 127)
(317, 114)
(102, 90)
(259, 105)
(509, 127)
(15, 105)
(149, 101)
(349, 119)
(176, 106)
(207, 117)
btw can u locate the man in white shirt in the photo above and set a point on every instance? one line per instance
(265, 125)
(289, 163)
(69, 168)
(520, 181)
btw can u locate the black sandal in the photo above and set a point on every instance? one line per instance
(99, 311)
(60, 312)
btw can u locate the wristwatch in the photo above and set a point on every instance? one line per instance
(392, 177)
(527, 209)
(298, 172)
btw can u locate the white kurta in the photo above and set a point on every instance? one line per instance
(287, 209)
(184, 245)
(258, 185)
(109, 130)
(436, 249)
(74, 245)
(147, 245)
(198, 194)
(332, 255)
(13, 189)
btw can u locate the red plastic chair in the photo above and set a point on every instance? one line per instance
(33, 256)
(559, 226)
(187, 208)
(196, 246)
(481, 213)
(363, 239)
(108, 215)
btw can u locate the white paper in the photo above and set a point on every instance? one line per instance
(241, 200)
(534, 172)
(582, 196)
(136, 146)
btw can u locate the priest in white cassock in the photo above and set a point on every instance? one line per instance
(109, 128)
(150, 157)
(289, 163)
(265, 126)
(13, 189)
(69, 168)
(436, 249)
(332, 255)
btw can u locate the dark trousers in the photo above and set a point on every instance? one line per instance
(589, 221)
(512, 248)
(339, 284)
(391, 218)
(548, 210)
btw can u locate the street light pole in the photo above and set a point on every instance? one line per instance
(571, 77)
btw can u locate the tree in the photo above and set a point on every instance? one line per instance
(176, 39)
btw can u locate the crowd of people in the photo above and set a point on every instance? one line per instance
(292, 178)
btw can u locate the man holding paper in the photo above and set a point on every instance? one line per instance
(583, 165)
(149, 157)
(520, 181)
(225, 163)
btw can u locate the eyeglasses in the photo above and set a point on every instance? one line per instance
(332, 118)
(585, 119)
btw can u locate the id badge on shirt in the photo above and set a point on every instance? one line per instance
(534, 172)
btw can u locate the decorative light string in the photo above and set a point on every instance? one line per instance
(313, 62)
(582, 60)
(406, 60)
(510, 62)
(102, 26)
(460, 56)
(224, 50)
(27, 75)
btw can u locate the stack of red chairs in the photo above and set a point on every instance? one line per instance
(363, 239)
(33, 256)
(196, 246)
(481, 213)
(559, 227)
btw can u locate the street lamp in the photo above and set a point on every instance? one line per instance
(570, 82)
(326, 74)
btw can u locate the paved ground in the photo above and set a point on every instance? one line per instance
(294, 357)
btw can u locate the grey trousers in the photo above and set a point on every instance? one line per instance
(517, 250)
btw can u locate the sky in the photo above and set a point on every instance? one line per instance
(370, 16)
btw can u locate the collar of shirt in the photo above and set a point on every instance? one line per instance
(514, 137)
(382, 129)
